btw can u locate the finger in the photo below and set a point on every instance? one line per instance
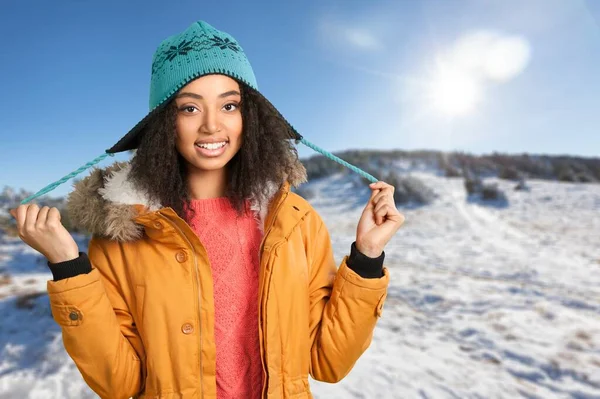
(377, 183)
(32, 212)
(389, 202)
(380, 213)
(381, 185)
(394, 216)
(397, 218)
(391, 225)
(374, 192)
(42, 216)
(370, 203)
(391, 218)
(380, 205)
(385, 193)
(21, 216)
(385, 199)
(53, 217)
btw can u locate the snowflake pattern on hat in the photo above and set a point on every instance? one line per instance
(198, 43)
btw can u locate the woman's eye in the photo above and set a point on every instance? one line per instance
(230, 107)
(189, 109)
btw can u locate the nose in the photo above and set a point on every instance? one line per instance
(210, 122)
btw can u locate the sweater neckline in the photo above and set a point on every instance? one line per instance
(217, 204)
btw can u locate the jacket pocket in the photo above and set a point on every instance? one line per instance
(140, 292)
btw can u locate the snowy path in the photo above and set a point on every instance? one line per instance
(484, 303)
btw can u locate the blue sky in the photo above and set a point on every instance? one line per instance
(474, 75)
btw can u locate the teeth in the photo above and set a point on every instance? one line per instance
(212, 146)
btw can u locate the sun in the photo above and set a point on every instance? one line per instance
(453, 91)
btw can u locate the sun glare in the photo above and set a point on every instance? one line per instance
(454, 92)
(454, 85)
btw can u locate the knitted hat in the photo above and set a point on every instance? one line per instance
(197, 51)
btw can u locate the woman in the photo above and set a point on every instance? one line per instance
(206, 276)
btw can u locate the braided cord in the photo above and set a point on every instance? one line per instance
(339, 160)
(57, 183)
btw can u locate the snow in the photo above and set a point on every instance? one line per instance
(485, 300)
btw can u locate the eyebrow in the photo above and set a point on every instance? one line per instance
(199, 97)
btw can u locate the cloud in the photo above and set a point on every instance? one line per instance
(350, 36)
(361, 38)
(491, 55)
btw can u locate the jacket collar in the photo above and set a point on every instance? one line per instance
(107, 204)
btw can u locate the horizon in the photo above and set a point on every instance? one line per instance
(53, 196)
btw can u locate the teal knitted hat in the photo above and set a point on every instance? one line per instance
(197, 51)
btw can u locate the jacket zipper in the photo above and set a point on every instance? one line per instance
(199, 301)
(264, 343)
(262, 247)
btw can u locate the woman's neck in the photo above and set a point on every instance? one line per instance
(205, 184)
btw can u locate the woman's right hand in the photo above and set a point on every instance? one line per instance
(42, 230)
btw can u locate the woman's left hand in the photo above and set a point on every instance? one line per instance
(379, 221)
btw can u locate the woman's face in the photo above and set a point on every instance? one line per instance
(209, 121)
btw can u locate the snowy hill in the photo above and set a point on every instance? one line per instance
(485, 301)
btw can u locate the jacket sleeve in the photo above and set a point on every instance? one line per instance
(344, 308)
(98, 330)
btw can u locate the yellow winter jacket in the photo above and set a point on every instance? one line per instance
(140, 324)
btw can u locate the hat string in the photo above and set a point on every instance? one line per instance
(93, 162)
(57, 183)
(338, 160)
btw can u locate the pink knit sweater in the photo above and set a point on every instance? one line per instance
(232, 244)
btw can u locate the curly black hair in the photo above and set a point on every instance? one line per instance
(266, 155)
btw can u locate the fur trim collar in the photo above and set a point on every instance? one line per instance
(106, 203)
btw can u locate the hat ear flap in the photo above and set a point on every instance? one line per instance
(133, 138)
(267, 110)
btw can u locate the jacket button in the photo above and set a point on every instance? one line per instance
(73, 316)
(181, 256)
(187, 328)
(380, 304)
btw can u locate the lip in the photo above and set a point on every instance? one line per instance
(211, 153)
(211, 141)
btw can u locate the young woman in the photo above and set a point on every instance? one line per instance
(206, 276)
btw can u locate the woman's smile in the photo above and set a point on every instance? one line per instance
(212, 149)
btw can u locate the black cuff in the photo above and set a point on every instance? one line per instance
(363, 265)
(71, 268)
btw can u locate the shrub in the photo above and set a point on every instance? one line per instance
(522, 186)
(318, 166)
(410, 189)
(28, 300)
(509, 173)
(491, 192)
(473, 185)
(566, 174)
(487, 192)
(445, 164)
(585, 177)
(451, 171)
